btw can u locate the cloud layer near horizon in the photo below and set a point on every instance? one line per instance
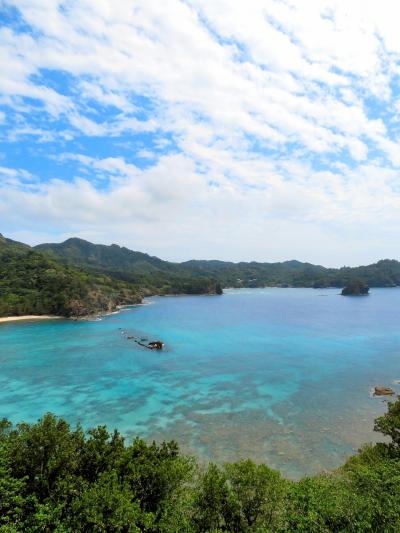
(262, 130)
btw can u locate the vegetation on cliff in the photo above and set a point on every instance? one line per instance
(62, 479)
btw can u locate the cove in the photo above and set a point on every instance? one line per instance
(279, 375)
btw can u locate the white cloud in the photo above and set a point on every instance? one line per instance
(165, 52)
(281, 117)
(171, 210)
(27, 131)
(16, 178)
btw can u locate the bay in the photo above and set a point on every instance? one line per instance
(279, 375)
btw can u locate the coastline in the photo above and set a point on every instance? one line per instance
(97, 316)
(28, 317)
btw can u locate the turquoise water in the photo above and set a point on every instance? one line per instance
(280, 375)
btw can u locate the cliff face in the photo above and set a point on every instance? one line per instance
(97, 301)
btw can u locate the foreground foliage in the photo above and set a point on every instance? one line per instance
(57, 478)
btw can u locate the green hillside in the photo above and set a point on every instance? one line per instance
(84, 279)
(137, 268)
(384, 273)
(33, 283)
(80, 252)
(148, 271)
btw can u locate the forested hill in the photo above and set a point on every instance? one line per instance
(384, 273)
(80, 252)
(137, 268)
(35, 283)
(146, 270)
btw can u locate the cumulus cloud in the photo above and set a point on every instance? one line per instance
(268, 128)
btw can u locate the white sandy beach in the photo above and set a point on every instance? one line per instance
(27, 317)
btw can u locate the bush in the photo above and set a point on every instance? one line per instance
(57, 478)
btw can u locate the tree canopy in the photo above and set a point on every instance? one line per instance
(54, 477)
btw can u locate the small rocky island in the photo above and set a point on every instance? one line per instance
(356, 287)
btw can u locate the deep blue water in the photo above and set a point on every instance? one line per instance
(280, 375)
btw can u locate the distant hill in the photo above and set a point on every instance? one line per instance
(253, 274)
(149, 271)
(80, 252)
(140, 269)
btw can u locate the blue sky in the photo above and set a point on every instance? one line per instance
(259, 130)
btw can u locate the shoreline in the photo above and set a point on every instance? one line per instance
(97, 316)
(5, 319)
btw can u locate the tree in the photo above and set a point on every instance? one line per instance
(389, 423)
(105, 506)
(212, 500)
(257, 492)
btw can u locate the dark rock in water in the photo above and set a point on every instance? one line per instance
(356, 287)
(383, 391)
(218, 289)
(156, 345)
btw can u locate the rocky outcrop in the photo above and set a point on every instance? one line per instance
(155, 345)
(218, 289)
(355, 288)
(379, 390)
(101, 301)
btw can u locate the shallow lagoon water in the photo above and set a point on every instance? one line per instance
(280, 375)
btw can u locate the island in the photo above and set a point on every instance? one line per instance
(356, 287)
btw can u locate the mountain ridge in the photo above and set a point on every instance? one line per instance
(138, 266)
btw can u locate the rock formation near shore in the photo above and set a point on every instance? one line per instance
(383, 391)
(356, 287)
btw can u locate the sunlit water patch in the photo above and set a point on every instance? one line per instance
(280, 375)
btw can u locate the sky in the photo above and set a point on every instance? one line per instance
(247, 130)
